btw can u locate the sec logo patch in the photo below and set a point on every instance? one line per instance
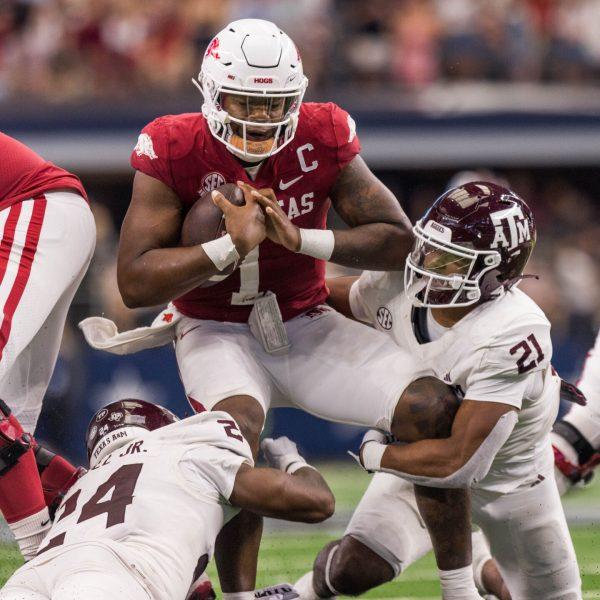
(211, 182)
(384, 317)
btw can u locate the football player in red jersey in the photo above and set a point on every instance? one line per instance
(231, 349)
(48, 237)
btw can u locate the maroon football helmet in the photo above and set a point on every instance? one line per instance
(472, 244)
(120, 421)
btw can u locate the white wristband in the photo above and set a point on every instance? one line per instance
(221, 251)
(371, 454)
(297, 465)
(318, 243)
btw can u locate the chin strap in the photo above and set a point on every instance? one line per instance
(253, 146)
(509, 283)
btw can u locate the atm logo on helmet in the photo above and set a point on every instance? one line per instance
(518, 228)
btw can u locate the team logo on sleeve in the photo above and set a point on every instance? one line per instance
(145, 147)
(384, 317)
(211, 182)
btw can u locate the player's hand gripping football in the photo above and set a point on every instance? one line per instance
(279, 227)
(245, 224)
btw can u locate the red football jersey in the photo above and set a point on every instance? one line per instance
(180, 151)
(24, 174)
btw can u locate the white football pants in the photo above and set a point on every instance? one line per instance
(526, 530)
(45, 249)
(81, 573)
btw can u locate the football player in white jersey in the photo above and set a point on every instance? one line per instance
(142, 523)
(575, 437)
(458, 311)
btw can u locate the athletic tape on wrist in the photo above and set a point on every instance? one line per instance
(221, 251)
(318, 243)
(371, 454)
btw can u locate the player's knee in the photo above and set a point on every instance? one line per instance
(425, 410)
(354, 568)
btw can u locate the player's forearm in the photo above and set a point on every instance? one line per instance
(376, 246)
(303, 496)
(313, 480)
(339, 294)
(427, 458)
(308, 497)
(161, 275)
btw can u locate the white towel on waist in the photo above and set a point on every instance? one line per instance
(102, 334)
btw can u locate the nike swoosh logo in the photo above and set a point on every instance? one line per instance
(183, 334)
(44, 523)
(285, 185)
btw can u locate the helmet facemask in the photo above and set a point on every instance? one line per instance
(440, 273)
(265, 122)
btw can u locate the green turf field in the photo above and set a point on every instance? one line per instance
(288, 553)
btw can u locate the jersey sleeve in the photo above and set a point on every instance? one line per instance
(151, 154)
(505, 369)
(217, 450)
(215, 465)
(344, 128)
(366, 295)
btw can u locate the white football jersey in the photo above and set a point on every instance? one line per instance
(158, 502)
(499, 352)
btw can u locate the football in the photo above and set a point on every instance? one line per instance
(205, 222)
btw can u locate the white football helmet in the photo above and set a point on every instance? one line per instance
(254, 68)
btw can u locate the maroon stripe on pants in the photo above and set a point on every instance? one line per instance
(8, 237)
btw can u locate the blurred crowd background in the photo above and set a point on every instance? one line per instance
(56, 54)
(66, 50)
